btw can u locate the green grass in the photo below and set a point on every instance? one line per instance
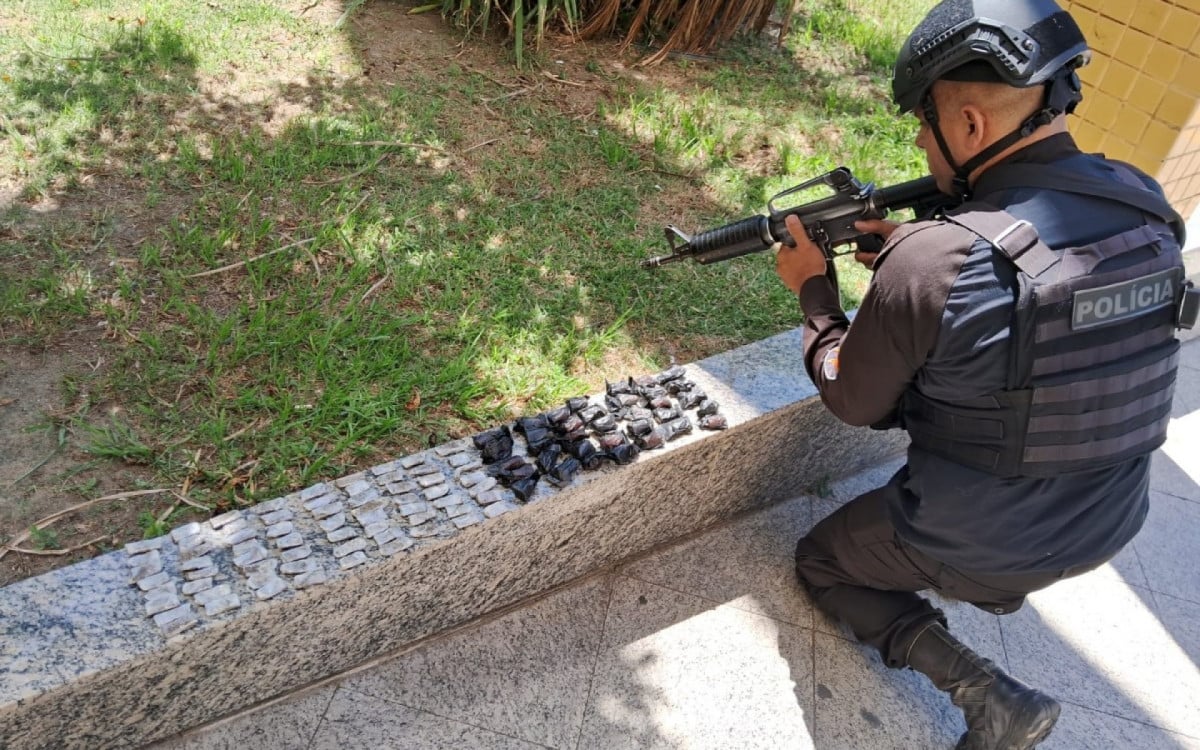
(44, 539)
(873, 30)
(421, 258)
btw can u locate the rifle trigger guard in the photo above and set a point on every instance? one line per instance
(820, 238)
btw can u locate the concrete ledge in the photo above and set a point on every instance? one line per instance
(83, 663)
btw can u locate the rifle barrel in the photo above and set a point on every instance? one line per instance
(907, 194)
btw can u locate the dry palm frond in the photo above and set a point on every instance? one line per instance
(693, 26)
(602, 19)
(690, 26)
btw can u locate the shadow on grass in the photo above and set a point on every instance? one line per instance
(85, 112)
(341, 268)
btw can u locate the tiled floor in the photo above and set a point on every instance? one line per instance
(709, 644)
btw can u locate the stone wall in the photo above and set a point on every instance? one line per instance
(1142, 88)
(141, 644)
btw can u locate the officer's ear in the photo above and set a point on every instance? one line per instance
(974, 122)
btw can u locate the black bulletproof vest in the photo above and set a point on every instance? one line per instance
(1093, 344)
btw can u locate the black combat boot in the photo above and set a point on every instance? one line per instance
(1001, 712)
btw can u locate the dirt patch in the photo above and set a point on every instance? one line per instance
(103, 220)
(44, 386)
(43, 469)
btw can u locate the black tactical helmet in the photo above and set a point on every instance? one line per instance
(1019, 42)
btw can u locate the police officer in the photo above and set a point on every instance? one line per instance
(1026, 342)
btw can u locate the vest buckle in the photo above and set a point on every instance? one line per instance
(1016, 239)
(1189, 307)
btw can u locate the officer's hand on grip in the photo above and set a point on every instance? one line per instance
(880, 227)
(799, 262)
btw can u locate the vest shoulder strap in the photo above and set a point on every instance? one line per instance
(1017, 239)
(1128, 189)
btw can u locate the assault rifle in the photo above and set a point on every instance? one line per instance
(829, 221)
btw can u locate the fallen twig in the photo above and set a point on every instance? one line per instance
(396, 144)
(357, 205)
(563, 81)
(480, 145)
(374, 286)
(188, 501)
(509, 95)
(162, 517)
(252, 426)
(53, 552)
(350, 176)
(241, 263)
(43, 523)
(316, 266)
(247, 465)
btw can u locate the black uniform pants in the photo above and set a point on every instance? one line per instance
(859, 571)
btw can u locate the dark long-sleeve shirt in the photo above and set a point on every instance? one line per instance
(936, 317)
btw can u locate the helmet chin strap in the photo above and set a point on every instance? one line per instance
(1062, 93)
(961, 187)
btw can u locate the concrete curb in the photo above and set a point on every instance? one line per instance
(83, 664)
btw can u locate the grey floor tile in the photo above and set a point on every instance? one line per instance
(854, 485)
(1181, 619)
(524, 675)
(1189, 356)
(677, 672)
(1083, 729)
(1189, 372)
(287, 725)
(1166, 546)
(861, 704)
(728, 566)
(1099, 643)
(846, 489)
(1169, 476)
(356, 721)
(1187, 394)
(748, 563)
(775, 530)
(1176, 465)
(1126, 566)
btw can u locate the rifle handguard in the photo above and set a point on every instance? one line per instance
(732, 240)
(829, 221)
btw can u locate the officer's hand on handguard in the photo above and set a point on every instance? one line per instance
(797, 264)
(881, 227)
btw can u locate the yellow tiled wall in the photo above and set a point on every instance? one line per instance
(1142, 87)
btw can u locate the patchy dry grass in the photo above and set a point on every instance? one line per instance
(244, 249)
